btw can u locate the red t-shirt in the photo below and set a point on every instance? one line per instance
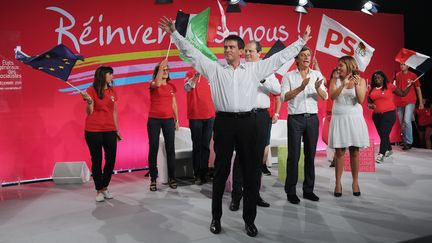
(161, 101)
(424, 117)
(402, 83)
(199, 100)
(272, 109)
(102, 118)
(383, 98)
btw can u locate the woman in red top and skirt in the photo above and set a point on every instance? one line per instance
(101, 129)
(381, 100)
(162, 115)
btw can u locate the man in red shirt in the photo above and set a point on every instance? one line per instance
(405, 105)
(201, 113)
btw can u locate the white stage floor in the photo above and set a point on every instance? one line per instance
(395, 206)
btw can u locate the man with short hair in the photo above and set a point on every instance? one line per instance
(234, 87)
(263, 122)
(406, 105)
(302, 97)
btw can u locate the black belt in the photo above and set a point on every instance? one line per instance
(304, 114)
(234, 114)
(259, 109)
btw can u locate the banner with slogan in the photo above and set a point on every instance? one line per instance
(337, 40)
(42, 118)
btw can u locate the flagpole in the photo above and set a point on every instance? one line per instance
(73, 86)
(169, 47)
(418, 77)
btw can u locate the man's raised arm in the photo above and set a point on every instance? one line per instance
(199, 61)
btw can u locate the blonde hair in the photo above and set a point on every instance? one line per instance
(351, 64)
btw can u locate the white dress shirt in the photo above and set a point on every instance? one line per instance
(307, 100)
(263, 95)
(235, 90)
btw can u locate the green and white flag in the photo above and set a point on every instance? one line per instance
(194, 28)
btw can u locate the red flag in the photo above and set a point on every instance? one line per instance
(414, 59)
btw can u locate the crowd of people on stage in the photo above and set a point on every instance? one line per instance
(236, 104)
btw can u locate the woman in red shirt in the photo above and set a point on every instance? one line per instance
(381, 100)
(162, 115)
(101, 129)
(424, 120)
(201, 114)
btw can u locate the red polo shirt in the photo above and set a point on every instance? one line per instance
(102, 118)
(383, 99)
(199, 100)
(161, 101)
(424, 116)
(402, 83)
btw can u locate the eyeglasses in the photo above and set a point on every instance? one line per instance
(166, 69)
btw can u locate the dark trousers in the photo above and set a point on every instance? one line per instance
(384, 123)
(238, 133)
(154, 125)
(201, 134)
(96, 141)
(307, 127)
(263, 122)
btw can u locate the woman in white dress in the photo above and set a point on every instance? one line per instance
(348, 127)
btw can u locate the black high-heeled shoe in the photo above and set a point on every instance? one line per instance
(358, 193)
(337, 194)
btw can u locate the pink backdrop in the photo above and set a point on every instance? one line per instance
(42, 121)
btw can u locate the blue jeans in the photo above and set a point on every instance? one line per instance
(405, 114)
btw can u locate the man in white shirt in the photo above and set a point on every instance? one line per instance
(301, 88)
(234, 88)
(263, 120)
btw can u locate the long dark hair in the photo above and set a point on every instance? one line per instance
(156, 70)
(100, 80)
(374, 83)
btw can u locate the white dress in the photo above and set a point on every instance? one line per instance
(347, 126)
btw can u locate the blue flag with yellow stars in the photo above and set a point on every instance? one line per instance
(57, 62)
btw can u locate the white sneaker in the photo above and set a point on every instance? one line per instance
(388, 153)
(100, 197)
(107, 194)
(379, 158)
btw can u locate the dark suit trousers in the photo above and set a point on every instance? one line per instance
(263, 122)
(306, 127)
(238, 133)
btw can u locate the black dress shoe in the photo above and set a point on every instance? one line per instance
(406, 147)
(293, 199)
(337, 194)
(251, 230)
(263, 203)
(265, 170)
(310, 196)
(234, 205)
(215, 226)
(357, 194)
(198, 181)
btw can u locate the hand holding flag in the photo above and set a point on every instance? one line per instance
(167, 24)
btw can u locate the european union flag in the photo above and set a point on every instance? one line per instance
(57, 62)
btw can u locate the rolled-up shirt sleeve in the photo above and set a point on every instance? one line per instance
(189, 85)
(272, 85)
